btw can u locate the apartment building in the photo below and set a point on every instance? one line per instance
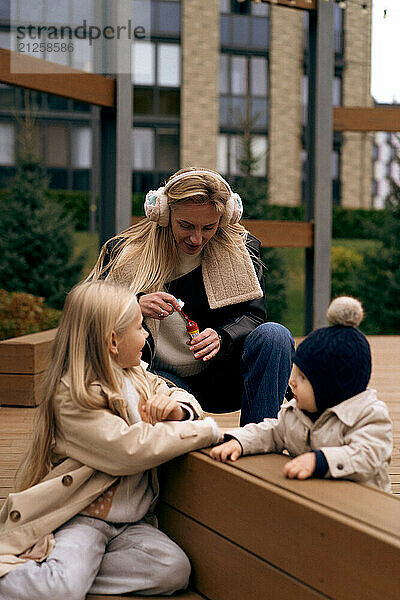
(203, 74)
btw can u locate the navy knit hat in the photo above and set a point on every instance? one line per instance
(337, 359)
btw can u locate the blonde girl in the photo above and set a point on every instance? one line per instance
(191, 246)
(82, 519)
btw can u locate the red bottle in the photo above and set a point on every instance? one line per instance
(192, 328)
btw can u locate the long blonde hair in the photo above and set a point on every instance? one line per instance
(152, 248)
(92, 311)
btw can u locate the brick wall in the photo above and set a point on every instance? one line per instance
(356, 166)
(199, 92)
(286, 55)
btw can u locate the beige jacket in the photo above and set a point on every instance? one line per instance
(355, 437)
(95, 447)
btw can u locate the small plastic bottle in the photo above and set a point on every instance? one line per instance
(192, 328)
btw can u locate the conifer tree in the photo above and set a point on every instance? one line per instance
(36, 239)
(254, 193)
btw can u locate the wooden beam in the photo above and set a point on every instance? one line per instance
(346, 118)
(276, 234)
(281, 234)
(44, 76)
(300, 4)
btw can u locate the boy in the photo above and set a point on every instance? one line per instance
(335, 426)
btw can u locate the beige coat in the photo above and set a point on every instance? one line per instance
(355, 437)
(95, 447)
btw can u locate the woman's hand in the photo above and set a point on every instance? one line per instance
(231, 449)
(158, 305)
(301, 467)
(205, 345)
(161, 407)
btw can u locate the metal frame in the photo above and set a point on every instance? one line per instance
(319, 146)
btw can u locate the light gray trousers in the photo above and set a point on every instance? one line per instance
(99, 557)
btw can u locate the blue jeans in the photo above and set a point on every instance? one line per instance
(266, 364)
(255, 381)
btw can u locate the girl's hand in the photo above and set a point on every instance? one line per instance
(161, 408)
(301, 467)
(205, 345)
(158, 305)
(231, 449)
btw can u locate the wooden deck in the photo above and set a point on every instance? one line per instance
(16, 423)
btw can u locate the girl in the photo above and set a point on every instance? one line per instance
(103, 425)
(192, 246)
(335, 426)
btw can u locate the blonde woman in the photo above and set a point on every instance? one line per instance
(103, 425)
(192, 247)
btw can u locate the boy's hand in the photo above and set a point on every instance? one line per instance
(301, 467)
(231, 449)
(161, 408)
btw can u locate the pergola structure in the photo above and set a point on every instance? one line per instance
(114, 97)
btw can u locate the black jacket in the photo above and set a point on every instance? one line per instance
(233, 323)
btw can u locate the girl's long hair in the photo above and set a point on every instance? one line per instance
(92, 311)
(153, 250)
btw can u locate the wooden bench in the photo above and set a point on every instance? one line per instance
(22, 362)
(252, 534)
(249, 532)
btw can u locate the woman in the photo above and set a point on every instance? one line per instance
(192, 247)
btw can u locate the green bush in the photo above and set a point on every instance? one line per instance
(22, 313)
(358, 223)
(346, 264)
(275, 278)
(73, 203)
(137, 204)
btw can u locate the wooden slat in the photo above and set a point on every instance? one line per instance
(346, 118)
(299, 4)
(224, 571)
(287, 530)
(281, 234)
(52, 78)
(276, 234)
(26, 353)
(358, 502)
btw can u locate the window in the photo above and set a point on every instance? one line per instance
(243, 91)
(166, 18)
(7, 146)
(81, 147)
(143, 148)
(242, 30)
(143, 63)
(144, 67)
(337, 91)
(168, 150)
(7, 95)
(239, 75)
(57, 145)
(168, 65)
(258, 76)
(230, 151)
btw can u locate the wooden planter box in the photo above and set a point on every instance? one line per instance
(22, 362)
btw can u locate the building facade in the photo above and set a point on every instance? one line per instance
(207, 73)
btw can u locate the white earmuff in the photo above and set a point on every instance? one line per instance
(156, 202)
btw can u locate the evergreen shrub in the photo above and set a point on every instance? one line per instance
(22, 313)
(36, 239)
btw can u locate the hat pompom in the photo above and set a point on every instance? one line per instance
(346, 311)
